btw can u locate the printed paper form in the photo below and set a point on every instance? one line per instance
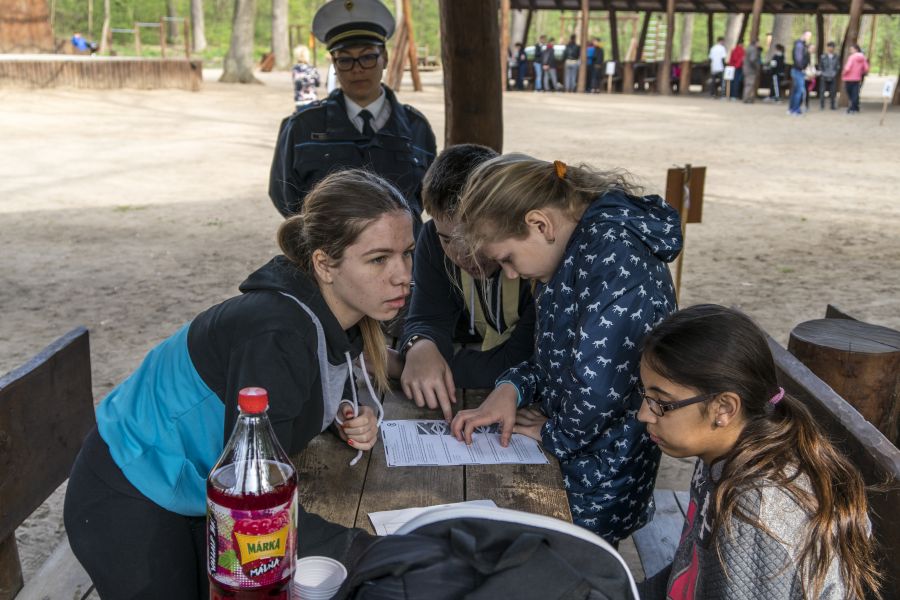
(387, 522)
(411, 443)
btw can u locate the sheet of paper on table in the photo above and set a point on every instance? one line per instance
(387, 522)
(412, 443)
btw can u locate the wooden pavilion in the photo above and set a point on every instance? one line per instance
(473, 86)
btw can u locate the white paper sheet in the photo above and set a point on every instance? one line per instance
(411, 443)
(387, 522)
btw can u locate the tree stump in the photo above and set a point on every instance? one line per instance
(860, 361)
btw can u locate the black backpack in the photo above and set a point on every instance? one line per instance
(478, 553)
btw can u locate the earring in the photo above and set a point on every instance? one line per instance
(718, 423)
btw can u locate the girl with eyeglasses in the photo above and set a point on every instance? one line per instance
(776, 511)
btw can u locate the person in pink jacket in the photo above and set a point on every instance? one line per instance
(854, 70)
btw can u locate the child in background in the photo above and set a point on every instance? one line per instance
(305, 76)
(776, 511)
(599, 252)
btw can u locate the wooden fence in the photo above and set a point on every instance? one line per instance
(95, 72)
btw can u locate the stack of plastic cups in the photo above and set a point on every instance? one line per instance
(317, 578)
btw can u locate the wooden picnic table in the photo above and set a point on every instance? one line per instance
(334, 490)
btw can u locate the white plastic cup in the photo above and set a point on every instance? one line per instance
(317, 578)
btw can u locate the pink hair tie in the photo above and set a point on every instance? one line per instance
(777, 397)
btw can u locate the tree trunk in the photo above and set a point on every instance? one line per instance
(171, 26)
(239, 60)
(733, 29)
(687, 35)
(518, 19)
(280, 45)
(781, 34)
(198, 25)
(104, 34)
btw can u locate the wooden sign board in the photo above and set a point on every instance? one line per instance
(675, 191)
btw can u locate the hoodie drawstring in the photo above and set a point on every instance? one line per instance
(472, 309)
(354, 403)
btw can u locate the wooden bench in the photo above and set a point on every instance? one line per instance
(877, 459)
(46, 410)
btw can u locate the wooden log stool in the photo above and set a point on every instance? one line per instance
(860, 361)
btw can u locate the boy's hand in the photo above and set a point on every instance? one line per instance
(498, 407)
(427, 379)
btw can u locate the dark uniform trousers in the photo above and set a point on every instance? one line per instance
(320, 139)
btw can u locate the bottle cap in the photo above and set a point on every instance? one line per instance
(253, 400)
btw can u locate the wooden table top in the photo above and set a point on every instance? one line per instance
(331, 488)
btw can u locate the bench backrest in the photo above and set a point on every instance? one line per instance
(46, 410)
(877, 459)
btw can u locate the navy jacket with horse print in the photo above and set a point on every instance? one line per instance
(611, 287)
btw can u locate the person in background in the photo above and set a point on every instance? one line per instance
(736, 60)
(548, 64)
(537, 62)
(829, 66)
(776, 510)
(800, 56)
(598, 250)
(452, 290)
(598, 68)
(521, 66)
(572, 56)
(810, 74)
(775, 70)
(82, 45)
(853, 73)
(360, 125)
(305, 77)
(752, 65)
(717, 55)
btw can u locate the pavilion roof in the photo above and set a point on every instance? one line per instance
(715, 6)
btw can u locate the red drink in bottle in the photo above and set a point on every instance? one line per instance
(251, 518)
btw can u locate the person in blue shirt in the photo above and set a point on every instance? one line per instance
(81, 44)
(599, 252)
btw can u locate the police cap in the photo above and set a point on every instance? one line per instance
(343, 23)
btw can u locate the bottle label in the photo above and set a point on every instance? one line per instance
(250, 549)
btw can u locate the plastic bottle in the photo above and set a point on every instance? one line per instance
(251, 518)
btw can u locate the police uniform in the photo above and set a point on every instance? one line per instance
(321, 138)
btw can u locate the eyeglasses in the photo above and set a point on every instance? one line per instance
(366, 61)
(661, 408)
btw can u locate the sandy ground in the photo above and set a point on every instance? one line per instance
(128, 212)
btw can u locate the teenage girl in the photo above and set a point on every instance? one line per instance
(597, 252)
(136, 501)
(776, 511)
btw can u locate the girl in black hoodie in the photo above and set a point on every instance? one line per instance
(136, 501)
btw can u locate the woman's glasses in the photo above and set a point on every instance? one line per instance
(366, 61)
(661, 408)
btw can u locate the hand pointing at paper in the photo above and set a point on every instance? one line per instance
(499, 407)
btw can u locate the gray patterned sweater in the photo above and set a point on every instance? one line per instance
(759, 566)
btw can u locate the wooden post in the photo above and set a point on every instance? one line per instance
(10, 568)
(710, 34)
(627, 77)
(162, 37)
(527, 27)
(137, 39)
(664, 79)
(639, 55)
(897, 92)
(413, 52)
(743, 29)
(860, 361)
(473, 102)
(187, 38)
(755, 17)
(504, 43)
(820, 34)
(873, 31)
(614, 35)
(582, 65)
(687, 38)
(398, 57)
